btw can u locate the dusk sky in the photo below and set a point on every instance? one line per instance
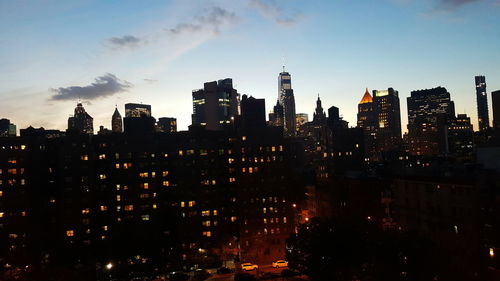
(156, 52)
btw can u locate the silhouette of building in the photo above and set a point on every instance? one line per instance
(495, 98)
(429, 112)
(167, 124)
(482, 103)
(137, 110)
(81, 122)
(367, 120)
(277, 118)
(216, 105)
(388, 120)
(319, 115)
(116, 122)
(7, 129)
(253, 112)
(302, 119)
(287, 100)
(460, 136)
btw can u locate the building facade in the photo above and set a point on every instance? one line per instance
(81, 122)
(482, 103)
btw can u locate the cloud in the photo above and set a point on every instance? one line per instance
(104, 86)
(214, 18)
(150, 81)
(453, 4)
(271, 9)
(127, 41)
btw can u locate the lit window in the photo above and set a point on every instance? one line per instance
(1, 214)
(117, 166)
(104, 208)
(232, 179)
(70, 233)
(243, 138)
(145, 185)
(265, 220)
(273, 148)
(117, 187)
(145, 217)
(281, 148)
(129, 208)
(102, 156)
(102, 176)
(1, 193)
(205, 213)
(192, 203)
(213, 182)
(154, 206)
(233, 219)
(181, 152)
(85, 211)
(264, 210)
(284, 219)
(118, 198)
(166, 183)
(105, 227)
(183, 204)
(84, 157)
(164, 173)
(215, 212)
(207, 233)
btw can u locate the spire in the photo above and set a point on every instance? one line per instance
(367, 98)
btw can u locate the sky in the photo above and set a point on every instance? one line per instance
(54, 53)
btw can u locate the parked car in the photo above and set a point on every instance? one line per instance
(280, 263)
(249, 266)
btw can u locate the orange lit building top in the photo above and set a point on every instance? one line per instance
(366, 98)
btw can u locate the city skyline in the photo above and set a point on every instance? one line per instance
(150, 56)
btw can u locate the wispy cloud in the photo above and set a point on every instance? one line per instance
(453, 4)
(127, 41)
(150, 81)
(213, 20)
(276, 12)
(103, 86)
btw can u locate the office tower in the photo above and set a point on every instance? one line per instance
(81, 122)
(302, 118)
(276, 118)
(137, 110)
(388, 125)
(334, 121)
(495, 98)
(287, 100)
(4, 127)
(367, 120)
(429, 111)
(460, 136)
(167, 124)
(215, 105)
(116, 122)
(319, 115)
(253, 112)
(482, 103)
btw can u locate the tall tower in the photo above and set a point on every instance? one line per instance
(367, 121)
(287, 100)
(319, 116)
(495, 103)
(388, 116)
(81, 122)
(482, 103)
(116, 122)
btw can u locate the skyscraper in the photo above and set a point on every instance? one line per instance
(367, 120)
(116, 122)
(482, 103)
(81, 122)
(495, 98)
(253, 112)
(429, 111)
(319, 116)
(388, 116)
(215, 105)
(287, 100)
(167, 124)
(276, 118)
(460, 136)
(137, 110)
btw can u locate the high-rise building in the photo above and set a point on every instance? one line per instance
(81, 122)
(367, 120)
(167, 124)
(388, 116)
(460, 136)
(429, 111)
(495, 98)
(137, 110)
(302, 118)
(253, 112)
(215, 105)
(482, 103)
(334, 120)
(319, 115)
(287, 100)
(7, 129)
(116, 122)
(276, 118)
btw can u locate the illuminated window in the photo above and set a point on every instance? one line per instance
(154, 206)
(12, 171)
(215, 212)
(284, 219)
(273, 148)
(102, 176)
(117, 166)
(265, 220)
(183, 204)
(243, 138)
(105, 227)
(206, 223)
(250, 170)
(207, 233)
(205, 213)
(233, 219)
(264, 210)
(1, 214)
(192, 203)
(103, 208)
(166, 183)
(102, 156)
(145, 217)
(213, 182)
(23, 147)
(143, 175)
(85, 211)
(145, 185)
(118, 198)
(129, 208)
(281, 148)
(203, 152)
(117, 187)
(70, 233)
(243, 170)
(84, 157)
(181, 152)
(164, 173)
